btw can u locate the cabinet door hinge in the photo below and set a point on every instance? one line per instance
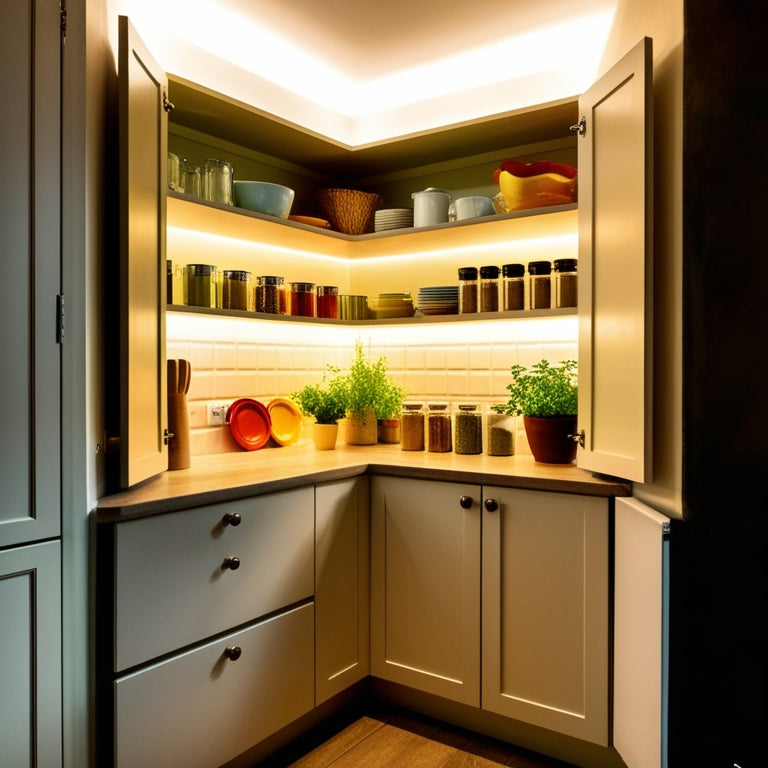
(60, 318)
(63, 20)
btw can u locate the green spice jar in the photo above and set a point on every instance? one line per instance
(500, 431)
(412, 427)
(236, 289)
(201, 285)
(468, 438)
(438, 428)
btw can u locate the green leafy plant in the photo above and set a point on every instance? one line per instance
(369, 385)
(543, 390)
(326, 401)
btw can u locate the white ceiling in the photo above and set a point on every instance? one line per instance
(361, 72)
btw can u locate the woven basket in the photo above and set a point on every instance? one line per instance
(349, 210)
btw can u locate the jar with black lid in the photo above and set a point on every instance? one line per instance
(468, 429)
(412, 427)
(302, 299)
(438, 428)
(566, 285)
(540, 286)
(201, 285)
(513, 286)
(236, 289)
(269, 294)
(467, 290)
(489, 289)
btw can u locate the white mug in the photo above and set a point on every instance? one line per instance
(473, 206)
(430, 207)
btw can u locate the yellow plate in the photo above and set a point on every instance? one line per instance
(287, 421)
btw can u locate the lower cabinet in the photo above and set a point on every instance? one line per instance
(205, 706)
(342, 585)
(30, 656)
(537, 563)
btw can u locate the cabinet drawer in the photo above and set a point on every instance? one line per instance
(172, 589)
(200, 709)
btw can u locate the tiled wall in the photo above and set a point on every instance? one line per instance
(262, 359)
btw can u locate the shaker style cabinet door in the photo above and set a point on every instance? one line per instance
(143, 140)
(615, 147)
(30, 438)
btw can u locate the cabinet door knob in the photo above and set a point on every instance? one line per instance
(491, 505)
(231, 562)
(232, 652)
(465, 502)
(232, 518)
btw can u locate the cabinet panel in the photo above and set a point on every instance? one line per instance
(201, 708)
(30, 656)
(342, 585)
(425, 583)
(172, 587)
(545, 611)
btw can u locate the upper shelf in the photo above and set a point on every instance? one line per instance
(219, 115)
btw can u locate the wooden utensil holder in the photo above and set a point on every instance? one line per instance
(178, 427)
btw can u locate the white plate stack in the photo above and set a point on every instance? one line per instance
(393, 218)
(439, 300)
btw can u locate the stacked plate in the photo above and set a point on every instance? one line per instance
(439, 300)
(393, 218)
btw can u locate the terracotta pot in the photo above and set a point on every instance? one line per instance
(548, 438)
(324, 436)
(362, 431)
(389, 430)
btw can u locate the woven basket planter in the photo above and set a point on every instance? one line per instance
(349, 210)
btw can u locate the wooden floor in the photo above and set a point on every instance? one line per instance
(396, 739)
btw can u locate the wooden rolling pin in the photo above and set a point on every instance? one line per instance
(179, 374)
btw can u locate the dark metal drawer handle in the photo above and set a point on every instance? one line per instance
(232, 652)
(491, 505)
(231, 562)
(232, 518)
(465, 502)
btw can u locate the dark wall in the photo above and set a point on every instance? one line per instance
(718, 681)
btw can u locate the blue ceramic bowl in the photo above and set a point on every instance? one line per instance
(264, 197)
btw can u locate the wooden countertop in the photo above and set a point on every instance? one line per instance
(225, 476)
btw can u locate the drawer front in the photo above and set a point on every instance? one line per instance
(173, 589)
(200, 709)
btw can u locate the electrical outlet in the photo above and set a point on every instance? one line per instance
(217, 414)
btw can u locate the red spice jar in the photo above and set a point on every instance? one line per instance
(303, 299)
(327, 301)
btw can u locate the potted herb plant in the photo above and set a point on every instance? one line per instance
(547, 397)
(327, 403)
(372, 395)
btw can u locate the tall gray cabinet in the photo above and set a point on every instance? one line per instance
(30, 444)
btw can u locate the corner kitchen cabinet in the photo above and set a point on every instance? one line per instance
(539, 651)
(207, 622)
(342, 586)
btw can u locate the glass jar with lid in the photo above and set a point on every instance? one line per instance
(540, 285)
(468, 429)
(218, 181)
(412, 427)
(269, 294)
(489, 289)
(327, 301)
(500, 433)
(236, 290)
(438, 428)
(302, 299)
(200, 285)
(565, 283)
(513, 287)
(467, 290)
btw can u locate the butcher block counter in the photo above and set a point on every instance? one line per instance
(227, 476)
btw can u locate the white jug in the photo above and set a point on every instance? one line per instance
(430, 207)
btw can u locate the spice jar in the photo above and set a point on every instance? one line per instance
(467, 290)
(513, 286)
(236, 289)
(540, 288)
(438, 428)
(218, 181)
(270, 294)
(565, 283)
(200, 285)
(327, 301)
(412, 427)
(500, 431)
(468, 429)
(303, 299)
(489, 289)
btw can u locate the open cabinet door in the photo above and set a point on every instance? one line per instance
(615, 149)
(143, 139)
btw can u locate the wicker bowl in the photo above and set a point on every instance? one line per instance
(349, 210)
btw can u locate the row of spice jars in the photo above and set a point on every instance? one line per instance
(440, 429)
(504, 289)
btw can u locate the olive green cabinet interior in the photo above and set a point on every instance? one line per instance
(536, 562)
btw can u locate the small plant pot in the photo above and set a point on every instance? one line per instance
(548, 438)
(324, 436)
(389, 430)
(362, 431)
